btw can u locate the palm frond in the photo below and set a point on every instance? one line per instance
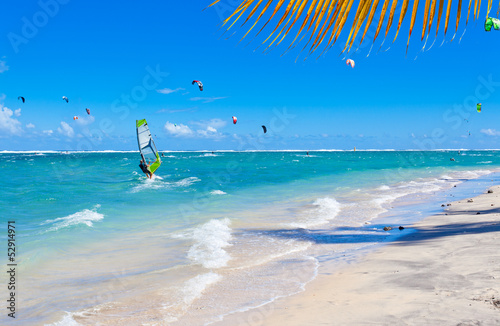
(413, 18)
(459, 10)
(404, 8)
(381, 18)
(448, 10)
(370, 18)
(325, 19)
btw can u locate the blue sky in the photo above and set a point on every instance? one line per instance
(133, 61)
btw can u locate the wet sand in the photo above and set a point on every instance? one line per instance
(444, 271)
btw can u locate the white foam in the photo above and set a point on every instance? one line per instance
(157, 183)
(179, 303)
(381, 201)
(186, 182)
(193, 288)
(67, 320)
(86, 216)
(325, 210)
(147, 183)
(210, 240)
(217, 192)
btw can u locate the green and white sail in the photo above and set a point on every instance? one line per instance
(147, 146)
(491, 22)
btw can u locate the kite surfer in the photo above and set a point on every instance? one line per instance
(144, 168)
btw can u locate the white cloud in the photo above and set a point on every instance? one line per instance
(85, 120)
(66, 130)
(178, 130)
(17, 112)
(209, 133)
(30, 126)
(490, 132)
(207, 99)
(169, 90)
(206, 129)
(3, 66)
(7, 123)
(48, 132)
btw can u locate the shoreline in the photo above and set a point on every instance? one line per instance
(444, 272)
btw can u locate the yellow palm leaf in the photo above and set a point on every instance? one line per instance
(381, 19)
(359, 22)
(448, 9)
(412, 23)
(426, 16)
(404, 8)
(257, 20)
(458, 14)
(309, 11)
(370, 18)
(325, 19)
(440, 12)
(391, 16)
(322, 30)
(332, 19)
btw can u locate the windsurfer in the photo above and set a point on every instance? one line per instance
(144, 167)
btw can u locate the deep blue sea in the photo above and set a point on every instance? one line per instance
(98, 243)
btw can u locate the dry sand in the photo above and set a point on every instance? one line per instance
(447, 272)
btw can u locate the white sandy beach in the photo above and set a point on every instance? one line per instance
(445, 273)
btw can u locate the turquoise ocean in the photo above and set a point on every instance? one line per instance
(214, 233)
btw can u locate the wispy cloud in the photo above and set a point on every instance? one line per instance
(48, 132)
(66, 130)
(169, 90)
(175, 111)
(207, 99)
(30, 126)
(490, 132)
(3, 66)
(7, 123)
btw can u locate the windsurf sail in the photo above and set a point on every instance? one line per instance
(147, 147)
